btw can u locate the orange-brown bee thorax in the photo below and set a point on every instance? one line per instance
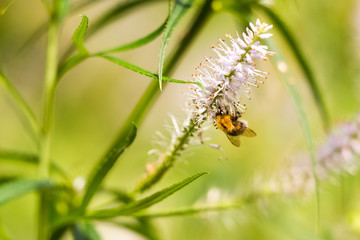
(230, 125)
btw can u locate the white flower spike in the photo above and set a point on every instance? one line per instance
(231, 75)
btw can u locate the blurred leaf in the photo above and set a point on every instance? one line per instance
(145, 72)
(34, 36)
(85, 231)
(300, 110)
(104, 166)
(74, 7)
(3, 232)
(7, 179)
(108, 17)
(26, 115)
(79, 35)
(138, 43)
(115, 12)
(58, 233)
(28, 158)
(120, 195)
(75, 60)
(4, 5)
(302, 61)
(144, 203)
(18, 188)
(179, 10)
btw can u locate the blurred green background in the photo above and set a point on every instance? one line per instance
(94, 99)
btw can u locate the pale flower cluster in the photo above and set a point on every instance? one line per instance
(338, 154)
(230, 76)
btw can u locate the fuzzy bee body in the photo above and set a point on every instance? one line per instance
(233, 127)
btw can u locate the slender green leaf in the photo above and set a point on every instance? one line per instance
(79, 35)
(144, 203)
(4, 5)
(70, 63)
(189, 211)
(104, 166)
(75, 60)
(145, 72)
(85, 231)
(178, 11)
(24, 111)
(120, 195)
(138, 43)
(18, 188)
(302, 61)
(29, 158)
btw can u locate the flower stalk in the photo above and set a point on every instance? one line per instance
(224, 79)
(167, 161)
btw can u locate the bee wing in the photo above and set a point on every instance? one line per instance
(235, 140)
(249, 133)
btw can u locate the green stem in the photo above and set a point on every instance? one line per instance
(49, 90)
(169, 159)
(50, 81)
(23, 107)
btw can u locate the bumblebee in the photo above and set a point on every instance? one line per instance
(233, 127)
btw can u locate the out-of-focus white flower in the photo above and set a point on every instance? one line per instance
(79, 184)
(341, 150)
(231, 75)
(339, 154)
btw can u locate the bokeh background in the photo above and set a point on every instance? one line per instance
(95, 98)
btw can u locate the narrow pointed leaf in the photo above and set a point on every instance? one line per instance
(70, 63)
(302, 61)
(75, 60)
(145, 72)
(18, 188)
(104, 166)
(29, 158)
(188, 211)
(178, 11)
(24, 111)
(79, 35)
(144, 203)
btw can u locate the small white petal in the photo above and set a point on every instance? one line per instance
(266, 35)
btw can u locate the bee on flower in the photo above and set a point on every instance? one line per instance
(228, 78)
